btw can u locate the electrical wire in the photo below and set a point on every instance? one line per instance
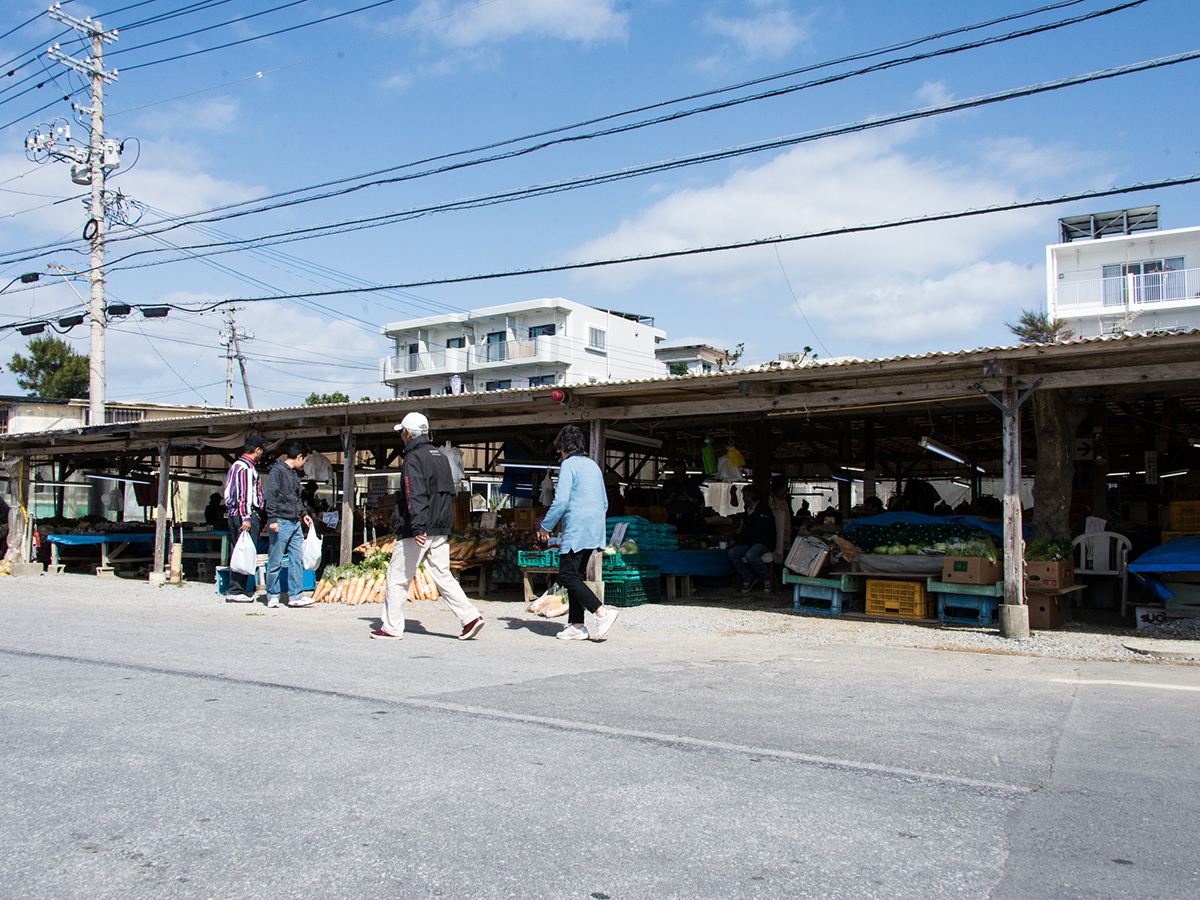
(357, 224)
(208, 215)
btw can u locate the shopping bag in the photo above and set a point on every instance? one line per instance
(244, 555)
(312, 549)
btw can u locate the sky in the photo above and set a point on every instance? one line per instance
(389, 87)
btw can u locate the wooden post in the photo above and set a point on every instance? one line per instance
(1014, 621)
(594, 576)
(346, 518)
(846, 488)
(869, 459)
(596, 443)
(160, 523)
(1099, 462)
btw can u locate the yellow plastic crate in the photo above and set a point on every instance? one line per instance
(1185, 515)
(902, 599)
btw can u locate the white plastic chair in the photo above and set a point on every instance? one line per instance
(1104, 553)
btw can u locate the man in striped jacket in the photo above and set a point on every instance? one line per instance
(243, 500)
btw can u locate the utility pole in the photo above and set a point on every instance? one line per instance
(231, 339)
(89, 166)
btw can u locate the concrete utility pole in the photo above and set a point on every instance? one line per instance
(101, 156)
(231, 339)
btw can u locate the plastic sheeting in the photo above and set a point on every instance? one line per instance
(912, 518)
(1179, 555)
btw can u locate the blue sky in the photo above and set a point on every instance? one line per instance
(414, 79)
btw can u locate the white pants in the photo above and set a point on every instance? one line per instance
(405, 559)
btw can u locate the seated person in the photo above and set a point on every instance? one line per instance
(873, 506)
(612, 490)
(757, 538)
(214, 513)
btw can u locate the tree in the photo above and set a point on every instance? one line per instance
(53, 369)
(1039, 328)
(315, 399)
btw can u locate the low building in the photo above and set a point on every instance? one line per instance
(518, 345)
(1117, 272)
(692, 359)
(27, 415)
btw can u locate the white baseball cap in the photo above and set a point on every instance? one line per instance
(413, 422)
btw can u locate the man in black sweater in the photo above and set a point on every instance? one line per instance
(757, 538)
(285, 512)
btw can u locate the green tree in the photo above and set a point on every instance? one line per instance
(1039, 328)
(315, 399)
(52, 369)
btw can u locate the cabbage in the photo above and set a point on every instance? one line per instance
(628, 547)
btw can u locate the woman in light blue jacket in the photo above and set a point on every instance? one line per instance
(580, 503)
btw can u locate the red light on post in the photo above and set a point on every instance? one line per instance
(558, 396)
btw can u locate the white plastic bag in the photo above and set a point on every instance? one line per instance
(244, 554)
(727, 471)
(312, 549)
(455, 457)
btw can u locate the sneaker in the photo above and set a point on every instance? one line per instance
(301, 601)
(605, 622)
(471, 629)
(748, 586)
(238, 598)
(385, 635)
(272, 601)
(573, 633)
(766, 589)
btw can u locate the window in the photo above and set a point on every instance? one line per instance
(499, 385)
(539, 380)
(4, 420)
(414, 357)
(456, 343)
(678, 368)
(120, 416)
(537, 331)
(1153, 280)
(497, 346)
(420, 392)
(705, 367)
(597, 338)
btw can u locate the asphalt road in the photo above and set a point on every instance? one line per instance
(158, 743)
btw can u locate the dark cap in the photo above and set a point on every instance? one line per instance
(253, 441)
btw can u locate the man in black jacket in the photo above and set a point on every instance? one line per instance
(756, 539)
(285, 512)
(424, 516)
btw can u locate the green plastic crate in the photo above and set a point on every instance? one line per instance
(537, 559)
(632, 592)
(614, 561)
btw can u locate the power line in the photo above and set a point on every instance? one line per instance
(208, 215)
(349, 225)
(758, 242)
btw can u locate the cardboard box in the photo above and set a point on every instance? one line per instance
(1149, 616)
(807, 556)
(1049, 576)
(1047, 610)
(970, 570)
(523, 517)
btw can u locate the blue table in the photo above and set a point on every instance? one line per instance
(113, 544)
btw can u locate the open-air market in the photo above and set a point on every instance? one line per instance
(579, 448)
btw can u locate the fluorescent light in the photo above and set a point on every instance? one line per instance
(851, 469)
(633, 438)
(1174, 474)
(110, 478)
(942, 450)
(1118, 474)
(522, 465)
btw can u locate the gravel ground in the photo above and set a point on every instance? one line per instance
(720, 613)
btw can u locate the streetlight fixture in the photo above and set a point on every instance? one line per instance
(942, 450)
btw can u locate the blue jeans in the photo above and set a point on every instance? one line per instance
(289, 542)
(740, 555)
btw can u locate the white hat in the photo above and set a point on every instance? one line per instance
(414, 423)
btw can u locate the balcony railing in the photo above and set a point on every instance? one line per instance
(482, 356)
(540, 348)
(1073, 298)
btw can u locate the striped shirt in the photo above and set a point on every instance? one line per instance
(243, 489)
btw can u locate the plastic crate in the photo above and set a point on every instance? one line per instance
(828, 596)
(626, 560)
(1185, 515)
(1170, 535)
(632, 592)
(537, 559)
(899, 599)
(967, 609)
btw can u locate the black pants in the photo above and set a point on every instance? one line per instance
(240, 584)
(571, 568)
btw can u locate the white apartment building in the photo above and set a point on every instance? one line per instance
(692, 359)
(518, 345)
(1117, 272)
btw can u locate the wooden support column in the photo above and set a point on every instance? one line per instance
(1014, 544)
(1099, 461)
(596, 443)
(760, 466)
(594, 575)
(346, 517)
(846, 488)
(24, 492)
(160, 523)
(869, 459)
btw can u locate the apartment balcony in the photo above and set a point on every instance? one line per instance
(1107, 296)
(502, 354)
(432, 362)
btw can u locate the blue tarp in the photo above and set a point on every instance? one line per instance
(913, 518)
(76, 540)
(692, 562)
(1179, 555)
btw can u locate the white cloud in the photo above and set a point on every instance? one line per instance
(468, 24)
(770, 33)
(934, 93)
(218, 114)
(929, 282)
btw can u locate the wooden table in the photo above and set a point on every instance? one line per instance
(481, 581)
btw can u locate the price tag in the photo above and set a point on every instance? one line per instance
(619, 533)
(489, 519)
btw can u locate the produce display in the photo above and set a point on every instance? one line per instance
(910, 540)
(1048, 550)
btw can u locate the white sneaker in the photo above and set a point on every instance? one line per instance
(573, 633)
(272, 601)
(605, 622)
(302, 600)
